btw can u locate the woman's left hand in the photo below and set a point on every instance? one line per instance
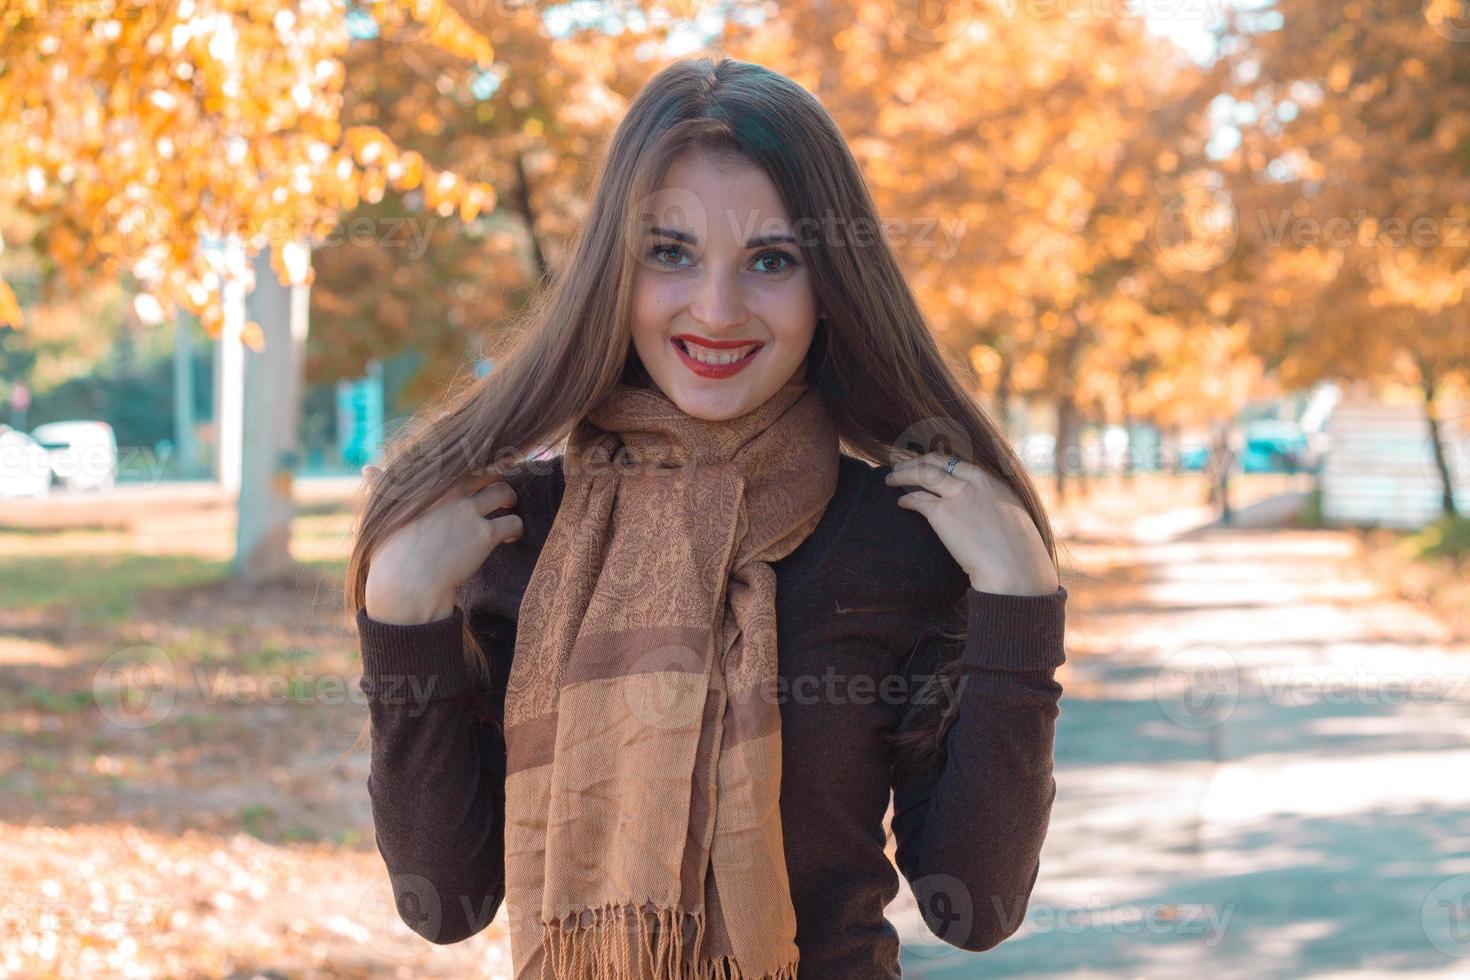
(982, 522)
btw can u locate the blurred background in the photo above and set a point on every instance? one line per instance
(1207, 259)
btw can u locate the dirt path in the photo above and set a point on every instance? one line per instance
(1263, 770)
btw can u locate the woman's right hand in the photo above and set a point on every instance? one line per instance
(414, 572)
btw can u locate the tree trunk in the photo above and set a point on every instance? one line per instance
(1003, 393)
(1436, 441)
(1218, 465)
(1129, 468)
(1066, 428)
(273, 404)
(522, 199)
(185, 449)
(1084, 476)
(229, 373)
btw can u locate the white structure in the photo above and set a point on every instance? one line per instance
(1380, 469)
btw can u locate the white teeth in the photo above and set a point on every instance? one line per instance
(706, 356)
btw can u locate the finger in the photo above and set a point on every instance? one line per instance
(964, 471)
(919, 500)
(371, 474)
(925, 474)
(477, 480)
(940, 460)
(493, 497)
(506, 528)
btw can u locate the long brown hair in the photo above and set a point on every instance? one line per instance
(891, 390)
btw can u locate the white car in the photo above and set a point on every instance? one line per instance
(25, 468)
(83, 454)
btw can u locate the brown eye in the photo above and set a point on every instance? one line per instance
(782, 256)
(658, 251)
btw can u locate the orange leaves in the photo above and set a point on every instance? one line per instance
(408, 172)
(220, 120)
(440, 192)
(385, 165)
(476, 198)
(252, 336)
(10, 314)
(1359, 238)
(433, 21)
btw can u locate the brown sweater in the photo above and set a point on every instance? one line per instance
(858, 604)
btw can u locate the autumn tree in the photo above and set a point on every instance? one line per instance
(530, 125)
(1353, 176)
(144, 133)
(1027, 158)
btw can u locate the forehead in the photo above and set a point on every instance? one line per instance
(717, 196)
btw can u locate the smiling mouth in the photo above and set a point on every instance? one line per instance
(714, 369)
(714, 357)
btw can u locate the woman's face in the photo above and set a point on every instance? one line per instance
(719, 273)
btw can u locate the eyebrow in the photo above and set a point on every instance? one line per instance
(683, 236)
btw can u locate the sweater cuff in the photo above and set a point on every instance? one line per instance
(1015, 632)
(412, 663)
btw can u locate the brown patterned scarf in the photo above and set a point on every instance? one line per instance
(643, 735)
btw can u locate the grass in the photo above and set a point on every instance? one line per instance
(218, 804)
(268, 656)
(58, 702)
(1310, 516)
(154, 583)
(1429, 566)
(1447, 538)
(98, 587)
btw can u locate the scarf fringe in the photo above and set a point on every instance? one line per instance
(605, 950)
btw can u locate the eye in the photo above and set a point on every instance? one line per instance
(786, 257)
(658, 252)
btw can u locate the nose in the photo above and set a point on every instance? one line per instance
(719, 302)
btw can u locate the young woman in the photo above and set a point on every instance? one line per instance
(653, 693)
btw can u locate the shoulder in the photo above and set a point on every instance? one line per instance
(538, 483)
(901, 554)
(497, 586)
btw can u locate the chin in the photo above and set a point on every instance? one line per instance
(715, 405)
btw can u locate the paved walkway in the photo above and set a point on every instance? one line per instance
(1263, 769)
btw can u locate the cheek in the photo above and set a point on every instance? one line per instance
(651, 306)
(791, 312)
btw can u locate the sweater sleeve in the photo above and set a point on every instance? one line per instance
(437, 778)
(969, 831)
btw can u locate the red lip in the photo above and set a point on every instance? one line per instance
(714, 370)
(713, 344)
